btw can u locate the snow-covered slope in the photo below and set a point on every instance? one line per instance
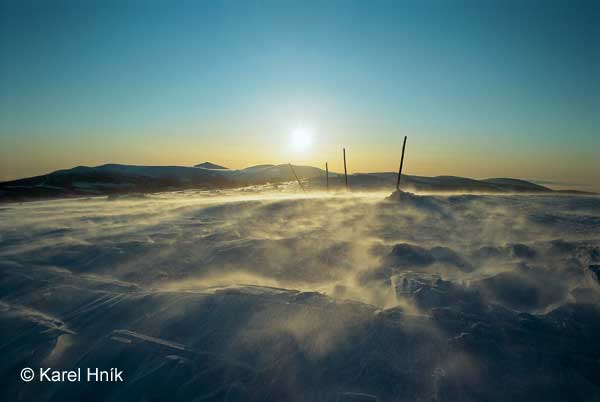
(517, 185)
(113, 179)
(274, 296)
(276, 173)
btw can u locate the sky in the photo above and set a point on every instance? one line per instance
(481, 88)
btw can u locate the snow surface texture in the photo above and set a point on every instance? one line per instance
(254, 295)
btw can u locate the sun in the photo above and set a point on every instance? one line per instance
(300, 139)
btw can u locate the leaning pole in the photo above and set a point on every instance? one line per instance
(327, 176)
(401, 163)
(297, 179)
(345, 170)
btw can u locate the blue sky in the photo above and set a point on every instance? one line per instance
(482, 88)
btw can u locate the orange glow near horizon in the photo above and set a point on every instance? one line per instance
(422, 158)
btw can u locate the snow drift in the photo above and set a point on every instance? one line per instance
(249, 295)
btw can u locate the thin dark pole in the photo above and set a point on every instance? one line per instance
(327, 175)
(294, 172)
(345, 170)
(401, 163)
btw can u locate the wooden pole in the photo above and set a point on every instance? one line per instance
(345, 170)
(327, 175)
(401, 163)
(294, 172)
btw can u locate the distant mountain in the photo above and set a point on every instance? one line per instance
(275, 173)
(517, 185)
(210, 166)
(367, 181)
(114, 179)
(110, 179)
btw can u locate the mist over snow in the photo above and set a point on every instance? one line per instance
(269, 295)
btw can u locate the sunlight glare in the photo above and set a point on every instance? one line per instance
(300, 139)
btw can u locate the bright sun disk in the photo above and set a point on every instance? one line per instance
(300, 139)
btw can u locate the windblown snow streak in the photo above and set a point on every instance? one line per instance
(270, 296)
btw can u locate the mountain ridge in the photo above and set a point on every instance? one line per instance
(113, 178)
(210, 166)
